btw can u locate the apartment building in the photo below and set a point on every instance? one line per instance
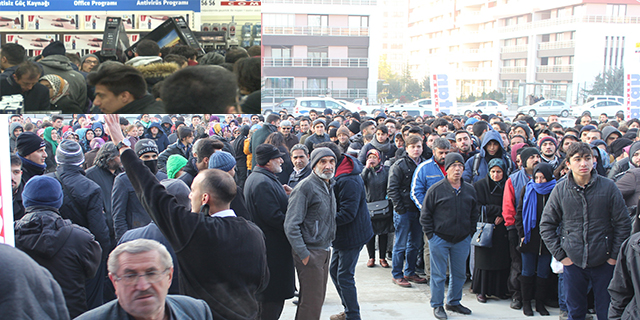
(319, 47)
(503, 44)
(393, 33)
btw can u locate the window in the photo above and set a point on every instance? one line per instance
(545, 38)
(544, 61)
(317, 20)
(616, 10)
(358, 21)
(282, 20)
(559, 36)
(280, 83)
(283, 52)
(317, 83)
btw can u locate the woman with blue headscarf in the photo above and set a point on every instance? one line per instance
(491, 269)
(536, 259)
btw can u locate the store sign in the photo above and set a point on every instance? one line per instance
(95, 5)
(235, 6)
(632, 81)
(6, 194)
(443, 96)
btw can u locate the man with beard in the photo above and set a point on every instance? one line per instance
(426, 175)
(530, 157)
(267, 202)
(464, 144)
(548, 146)
(310, 227)
(106, 167)
(128, 212)
(300, 160)
(290, 139)
(16, 187)
(380, 142)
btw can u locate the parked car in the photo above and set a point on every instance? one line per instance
(486, 106)
(598, 107)
(604, 97)
(547, 108)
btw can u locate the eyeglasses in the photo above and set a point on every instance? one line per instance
(150, 277)
(91, 62)
(286, 128)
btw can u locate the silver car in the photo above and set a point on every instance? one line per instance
(547, 108)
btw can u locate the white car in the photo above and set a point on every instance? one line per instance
(547, 108)
(598, 107)
(486, 106)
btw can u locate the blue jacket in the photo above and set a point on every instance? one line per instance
(161, 139)
(352, 219)
(426, 175)
(468, 176)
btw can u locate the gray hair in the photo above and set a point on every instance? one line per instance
(442, 144)
(106, 153)
(138, 246)
(300, 146)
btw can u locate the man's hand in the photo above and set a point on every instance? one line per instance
(567, 261)
(112, 121)
(305, 260)
(611, 261)
(287, 189)
(499, 220)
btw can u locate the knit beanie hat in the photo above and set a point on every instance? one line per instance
(174, 164)
(54, 48)
(469, 121)
(179, 190)
(452, 158)
(42, 191)
(265, 152)
(342, 130)
(318, 121)
(635, 147)
(87, 56)
(70, 152)
(222, 160)
(528, 153)
(145, 145)
(548, 138)
(514, 150)
(617, 147)
(586, 128)
(28, 143)
(354, 126)
(334, 124)
(319, 153)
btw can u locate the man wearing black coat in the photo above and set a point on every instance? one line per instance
(83, 205)
(25, 82)
(260, 135)
(67, 250)
(224, 161)
(267, 202)
(31, 150)
(234, 270)
(353, 229)
(107, 167)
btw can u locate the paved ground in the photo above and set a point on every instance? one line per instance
(381, 299)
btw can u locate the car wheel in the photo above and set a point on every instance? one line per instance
(532, 113)
(564, 113)
(586, 113)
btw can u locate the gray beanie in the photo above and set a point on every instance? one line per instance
(69, 152)
(179, 190)
(452, 158)
(87, 56)
(319, 153)
(635, 147)
(145, 145)
(319, 121)
(222, 160)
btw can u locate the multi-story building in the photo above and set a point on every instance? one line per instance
(516, 45)
(393, 33)
(319, 47)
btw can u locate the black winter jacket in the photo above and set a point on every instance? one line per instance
(172, 149)
(67, 250)
(83, 202)
(399, 186)
(594, 221)
(624, 287)
(450, 214)
(105, 179)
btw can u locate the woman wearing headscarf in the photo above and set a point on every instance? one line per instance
(98, 130)
(375, 176)
(241, 158)
(89, 157)
(86, 135)
(59, 94)
(491, 272)
(50, 137)
(536, 259)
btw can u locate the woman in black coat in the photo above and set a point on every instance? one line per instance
(375, 177)
(492, 264)
(536, 259)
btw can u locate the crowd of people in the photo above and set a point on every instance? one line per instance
(237, 205)
(157, 80)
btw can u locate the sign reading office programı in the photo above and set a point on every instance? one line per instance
(76, 5)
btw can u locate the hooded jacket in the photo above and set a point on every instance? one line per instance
(12, 137)
(624, 287)
(61, 65)
(352, 217)
(167, 120)
(67, 250)
(161, 139)
(154, 72)
(468, 174)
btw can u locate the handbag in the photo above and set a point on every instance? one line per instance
(484, 231)
(381, 209)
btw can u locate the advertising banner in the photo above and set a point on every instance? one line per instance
(98, 5)
(632, 81)
(6, 194)
(443, 96)
(234, 6)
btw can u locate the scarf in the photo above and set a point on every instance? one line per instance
(59, 85)
(383, 147)
(530, 205)
(47, 138)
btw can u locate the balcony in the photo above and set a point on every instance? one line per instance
(275, 93)
(315, 31)
(467, 73)
(568, 20)
(316, 62)
(556, 45)
(555, 69)
(513, 69)
(325, 2)
(514, 49)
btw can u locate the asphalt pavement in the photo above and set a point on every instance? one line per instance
(380, 299)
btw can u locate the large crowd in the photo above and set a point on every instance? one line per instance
(157, 80)
(218, 214)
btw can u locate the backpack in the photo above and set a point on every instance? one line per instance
(476, 165)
